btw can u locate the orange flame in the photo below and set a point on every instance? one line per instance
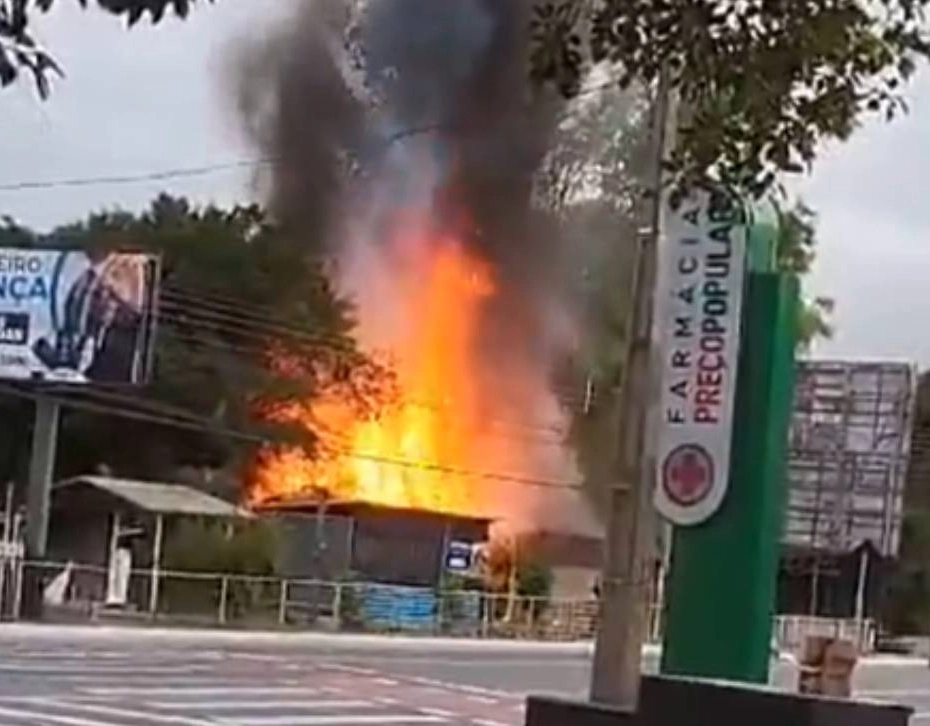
(407, 446)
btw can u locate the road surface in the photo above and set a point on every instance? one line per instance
(109, 677)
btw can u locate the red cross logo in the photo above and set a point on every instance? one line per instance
(687, 475)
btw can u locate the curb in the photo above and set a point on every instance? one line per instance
(332, 641)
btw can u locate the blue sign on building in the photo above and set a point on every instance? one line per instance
(459, 557)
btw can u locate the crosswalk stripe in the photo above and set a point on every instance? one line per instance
(105, 710)
(43, 717)
(130, 679)
(263, 705)
(407, 720)
(196, 692)
(59, 667)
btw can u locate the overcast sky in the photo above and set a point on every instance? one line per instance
(155, 99)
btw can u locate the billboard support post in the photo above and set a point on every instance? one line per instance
(41, 471)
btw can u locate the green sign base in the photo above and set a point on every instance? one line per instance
(721, 585)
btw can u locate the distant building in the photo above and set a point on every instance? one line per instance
(369, 542)
(849, 450)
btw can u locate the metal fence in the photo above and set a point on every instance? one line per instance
(78, 592)
(791, 630)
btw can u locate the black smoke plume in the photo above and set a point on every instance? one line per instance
(453, 73)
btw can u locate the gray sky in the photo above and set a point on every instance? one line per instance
(153, 99)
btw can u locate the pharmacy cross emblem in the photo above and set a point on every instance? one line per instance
(687, 474)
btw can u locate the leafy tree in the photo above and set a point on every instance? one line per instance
(239, 296)
(762, 83)
(19, 50)
(796, 252)
(590, 182)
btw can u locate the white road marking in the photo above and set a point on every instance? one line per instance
(262, 705)
(43, 717)
(196, 692)
(386, 682)
(487, 722)
(441, 712)
(482, 699)
(351, 669)
(121, 713)
(332, 720)
(260, 657)
(920, 715)
(109, 669)
(136, 680)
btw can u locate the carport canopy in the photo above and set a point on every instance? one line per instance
(157, 497)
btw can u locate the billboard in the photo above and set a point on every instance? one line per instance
(849, 450)
(702, 265)
(77, 317)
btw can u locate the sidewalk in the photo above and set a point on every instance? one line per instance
(336, 642)
(329, 641)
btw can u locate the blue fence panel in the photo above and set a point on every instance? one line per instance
(399, 608)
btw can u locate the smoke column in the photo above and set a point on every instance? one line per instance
(376, 111)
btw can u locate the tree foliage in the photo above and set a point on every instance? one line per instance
(590, 183)
(239, 294)
(20, 51)
(762, 82)
(796, 251)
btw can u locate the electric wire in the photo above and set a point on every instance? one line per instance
(237, 164)
(98, 404)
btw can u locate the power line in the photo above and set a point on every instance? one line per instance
(208, 169)
(150, 176)
(198, 423)
(543, 434)
(184, 310)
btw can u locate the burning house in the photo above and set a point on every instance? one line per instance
(372, 543)
(407, 151)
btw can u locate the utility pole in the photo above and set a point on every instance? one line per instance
(628, 542)
(41, 471)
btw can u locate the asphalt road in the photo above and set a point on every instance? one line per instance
(108, 677)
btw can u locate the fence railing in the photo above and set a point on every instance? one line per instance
(791, 630)
(254, 601)
(222, 599)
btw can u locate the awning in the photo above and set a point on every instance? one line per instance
(157, 497)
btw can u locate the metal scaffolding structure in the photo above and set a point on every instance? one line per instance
(849, 449)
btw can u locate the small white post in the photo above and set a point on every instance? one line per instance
(860, 595)
(156, 563)
(282, 603)
(224, 595)
(337, 606)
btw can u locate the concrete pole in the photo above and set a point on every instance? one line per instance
(41, 471)
(157, 539)
(628, 541)
(6, 557)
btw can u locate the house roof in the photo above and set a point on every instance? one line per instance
(349, 508)
(157, 497)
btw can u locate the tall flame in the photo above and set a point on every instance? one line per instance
(415, 444)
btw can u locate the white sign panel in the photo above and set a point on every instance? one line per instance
(702, 261)
(76, 317)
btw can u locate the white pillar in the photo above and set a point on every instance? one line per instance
(156, 563)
